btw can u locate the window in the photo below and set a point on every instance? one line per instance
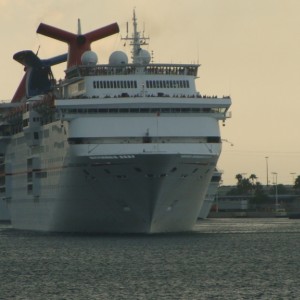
(29, 189)
(41, 175)
(213, 139)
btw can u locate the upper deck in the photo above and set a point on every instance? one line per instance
(132, 69)
(130, 79)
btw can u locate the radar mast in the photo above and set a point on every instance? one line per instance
(136, 41)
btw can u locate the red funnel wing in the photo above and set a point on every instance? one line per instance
(56, 33)
(78, 44)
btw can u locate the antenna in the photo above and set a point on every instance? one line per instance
(79, 27)
(136, 40)
(198, 52)
(225, 140)
(37, 52)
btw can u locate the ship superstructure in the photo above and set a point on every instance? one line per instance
(117, 147)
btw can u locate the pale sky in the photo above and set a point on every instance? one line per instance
(248, 49)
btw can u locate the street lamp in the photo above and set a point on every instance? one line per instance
(267, 167)
(276, 191)
(293, 177)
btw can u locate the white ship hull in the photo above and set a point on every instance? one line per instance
(138, 187)
(210, 195)
(4, 212)
(138, 194)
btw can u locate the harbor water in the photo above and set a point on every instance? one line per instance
(220, 259)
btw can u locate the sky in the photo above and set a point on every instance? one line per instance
(248, 49)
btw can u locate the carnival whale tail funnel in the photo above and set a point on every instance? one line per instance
(78, 43)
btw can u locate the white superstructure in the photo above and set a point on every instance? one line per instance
(117, 147)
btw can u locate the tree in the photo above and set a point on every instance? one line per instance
(239, 177)
(281, 189)
(297, 183)
(246, 186)
(253, 178)
(259, 194)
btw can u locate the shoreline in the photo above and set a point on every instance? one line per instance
(246, 214)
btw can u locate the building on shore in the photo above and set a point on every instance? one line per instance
(268, 204)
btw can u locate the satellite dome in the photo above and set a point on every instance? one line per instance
(89, 58)
(143, 57)
(118, 58)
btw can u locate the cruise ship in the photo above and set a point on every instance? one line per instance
(119, 147)
(210, 194)
(4, 212)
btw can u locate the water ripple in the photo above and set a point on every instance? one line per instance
(220, 259)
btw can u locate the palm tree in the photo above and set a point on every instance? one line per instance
(239, 177)
(253, 178)
(297, 183)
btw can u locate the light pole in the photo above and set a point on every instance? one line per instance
(276, 191)
(293, 178)
(267, 167)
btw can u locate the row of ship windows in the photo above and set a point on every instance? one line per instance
(116, 84)
(30, 184)
(144, 140)
(167, 84)
(144, 110)
(37, 135)
(132, 84)
(44, 174)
